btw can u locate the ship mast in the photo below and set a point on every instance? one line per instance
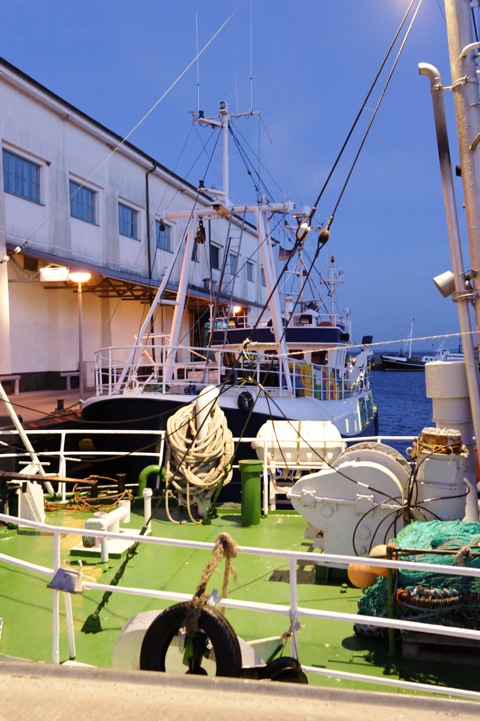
(463, 56)
(463, 53)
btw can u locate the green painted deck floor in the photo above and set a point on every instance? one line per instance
(26, 602)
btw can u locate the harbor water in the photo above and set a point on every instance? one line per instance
(403, 408)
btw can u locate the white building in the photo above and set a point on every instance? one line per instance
(70, 196)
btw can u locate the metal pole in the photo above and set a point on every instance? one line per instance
(81, 380)
(461, 296)
(467, 109)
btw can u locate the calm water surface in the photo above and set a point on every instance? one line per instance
(403, 408)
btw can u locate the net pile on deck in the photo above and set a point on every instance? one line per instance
(427, 596)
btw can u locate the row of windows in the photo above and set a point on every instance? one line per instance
(21, 177)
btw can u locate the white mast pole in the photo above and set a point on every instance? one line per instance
(225, 119)
(463, 53)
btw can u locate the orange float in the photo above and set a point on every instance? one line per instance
(361, 575)
(379, 552)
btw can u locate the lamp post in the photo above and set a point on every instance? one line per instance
(80, 277)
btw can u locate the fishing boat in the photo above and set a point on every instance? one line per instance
(291, 359)
(404, 361)
(344, 591)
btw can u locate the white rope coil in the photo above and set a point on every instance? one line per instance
(193, 461)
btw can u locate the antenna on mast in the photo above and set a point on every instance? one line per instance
(198, 64)
(251, 56)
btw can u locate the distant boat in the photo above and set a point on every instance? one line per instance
(404, 361)
(443, 354)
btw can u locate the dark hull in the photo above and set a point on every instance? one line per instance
(134, 413)
(390, 364)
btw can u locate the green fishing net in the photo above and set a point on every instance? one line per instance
(428, 596)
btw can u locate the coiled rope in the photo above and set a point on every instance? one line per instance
(195, 466)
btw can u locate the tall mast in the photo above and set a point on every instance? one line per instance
(463, 54)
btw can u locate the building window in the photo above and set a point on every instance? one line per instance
(164, 239)
(21, 177)
(83, 203)
(264, 282)
(214, 256)
(127, 221)
(250, 267)
(232, 263)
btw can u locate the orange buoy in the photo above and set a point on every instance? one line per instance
(379, 552)
(360, 575)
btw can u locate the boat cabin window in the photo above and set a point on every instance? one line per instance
(319, 357)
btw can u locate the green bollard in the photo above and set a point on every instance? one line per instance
(251, 471)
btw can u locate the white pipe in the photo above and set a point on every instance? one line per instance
(70, 630)
(56, 604)
(147, 508)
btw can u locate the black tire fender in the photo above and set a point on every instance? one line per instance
(245, 401)
(166, 626)
(285, 669)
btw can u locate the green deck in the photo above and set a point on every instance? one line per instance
(25, 600)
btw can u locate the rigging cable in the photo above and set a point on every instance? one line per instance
(362, 108)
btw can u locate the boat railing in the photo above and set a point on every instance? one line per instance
(291, 610)
(71, 453)
(195, 367)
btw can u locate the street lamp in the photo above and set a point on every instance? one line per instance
(80, 277)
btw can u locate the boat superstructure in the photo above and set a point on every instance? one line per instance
(280, 361)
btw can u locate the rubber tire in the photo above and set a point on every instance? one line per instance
(166, 626)
(245, 401)
(284, 669)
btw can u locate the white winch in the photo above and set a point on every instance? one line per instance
(353, 505)
(371, 491)
(441, 491)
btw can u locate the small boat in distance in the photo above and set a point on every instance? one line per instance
(404, 361)
(443, 354)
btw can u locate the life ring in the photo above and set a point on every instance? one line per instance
(211, 623)
(131, 386)
(245, 401)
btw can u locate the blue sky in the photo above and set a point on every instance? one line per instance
(313, 62)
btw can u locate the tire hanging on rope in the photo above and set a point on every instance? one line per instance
(211, 625)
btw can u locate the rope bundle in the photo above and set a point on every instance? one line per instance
(191, 461)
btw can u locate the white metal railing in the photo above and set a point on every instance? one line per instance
(292, 611)
(200, 366)
(59, 460)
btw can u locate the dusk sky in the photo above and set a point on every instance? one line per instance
(313, 62)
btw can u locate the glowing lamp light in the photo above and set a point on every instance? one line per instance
(80, 276)
(236, 309)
